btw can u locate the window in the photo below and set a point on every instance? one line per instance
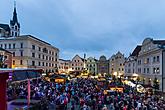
(13, 46)
(5, 46)
(144, 70)
(33, 54)
(46, 57)
(52, 53)
(49, 64)
(33, 47)
(13, 62)
(52, 65)
(12, 33)
(39, 48)
(158, 59)
(15, 33)
(49, 58)
(43, 63)
(9, 46)
(148, 60)
(13, 54)
(148, 70)
(21, 62)
(21, 53)
(56, 59)
(39, 63)
(33, 63)
(129, 65)
(154, 59)
(15, 27)
(120, 64)
(39, 56)
(154, 70)
(52, 59)
(119, 69)
(139, 62)
(46, 64)
(21, 45)
(43, 57)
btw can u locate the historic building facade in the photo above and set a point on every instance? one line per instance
(5, 58)
(130, 64)
(64, 66)
(91, 65)
(77, 63)
(28, 51)
(116, 64)
(31, 52)
(103, 65)
(150, 62)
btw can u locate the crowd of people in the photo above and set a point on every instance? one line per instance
(85, 94)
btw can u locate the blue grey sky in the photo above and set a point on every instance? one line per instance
(94, 27)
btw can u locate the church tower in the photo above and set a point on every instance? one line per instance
(14, 24)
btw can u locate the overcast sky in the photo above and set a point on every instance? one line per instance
(94, 27)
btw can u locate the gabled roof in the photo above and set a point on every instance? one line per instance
(79, 57)
(5, 27)
(136, 51)
(64, 60)
(160, 42)
(5, 50)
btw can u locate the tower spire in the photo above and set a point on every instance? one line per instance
(14, 3)
(14, 24)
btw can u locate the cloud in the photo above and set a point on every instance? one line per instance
(93, 26)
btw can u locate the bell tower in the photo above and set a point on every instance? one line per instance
(14, 24)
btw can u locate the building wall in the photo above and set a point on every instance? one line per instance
(91, 65)
(64, 66)
(130, 66)
(8, 58)
(103, 65)
(149, 63)
(48, 63)
(116, 62)
(77, 63)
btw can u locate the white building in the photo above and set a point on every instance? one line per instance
(130, 64)
(28, 51)
(77, 64)
(151, 62)
(64, 66)
(31, 52)
(116, 64)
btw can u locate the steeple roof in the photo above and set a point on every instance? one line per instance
(14, 20)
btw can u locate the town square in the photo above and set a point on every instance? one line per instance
(82, 55)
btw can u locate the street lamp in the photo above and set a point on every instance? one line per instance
(163, 54)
